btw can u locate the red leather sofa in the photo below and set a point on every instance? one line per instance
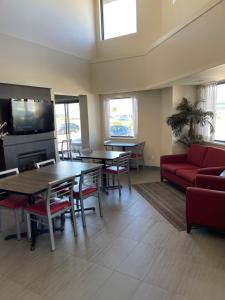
(182, 169)
(205, 203)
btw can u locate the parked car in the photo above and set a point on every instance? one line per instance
(73, 128)
(119, 130)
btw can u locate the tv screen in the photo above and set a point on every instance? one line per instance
(32, 116)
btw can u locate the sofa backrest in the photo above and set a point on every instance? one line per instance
(215, 157)
(196, 154)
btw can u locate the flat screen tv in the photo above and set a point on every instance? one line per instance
(31, 116)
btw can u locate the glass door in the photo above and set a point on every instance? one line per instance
(67, 124)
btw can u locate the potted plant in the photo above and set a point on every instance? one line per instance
(185, 122)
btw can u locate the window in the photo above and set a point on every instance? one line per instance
(118, 17)
(121, 117)
(68, 122)
(220, 113)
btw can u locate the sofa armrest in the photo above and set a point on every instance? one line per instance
(173, 158)
(210, 182)
(205, 206)
(211, 171)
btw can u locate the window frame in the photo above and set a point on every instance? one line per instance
(134, 120)
(102, 29)
(215, 108)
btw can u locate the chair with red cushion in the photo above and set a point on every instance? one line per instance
(120, 166)
(58, 200)
(14, 202)
(205, 203)
(89, 185)
(137, 155)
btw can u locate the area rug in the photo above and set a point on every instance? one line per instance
(167, 200)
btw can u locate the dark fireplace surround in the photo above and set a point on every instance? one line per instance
(23, 151)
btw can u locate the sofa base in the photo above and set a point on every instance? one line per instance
(175, 179)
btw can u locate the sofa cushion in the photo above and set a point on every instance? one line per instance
(196, 154)
(189, 175)
(176, 166)
(214, 158)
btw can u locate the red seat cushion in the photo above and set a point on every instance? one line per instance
(113, 170)
(85, 192)
(176, 166)
(196, 154)
(14, 201)
(134, 155)
(40, 207)
(189, 175)
(214, 158)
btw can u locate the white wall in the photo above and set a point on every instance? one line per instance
(67, 25)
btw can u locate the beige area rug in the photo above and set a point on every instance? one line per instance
(167, 200)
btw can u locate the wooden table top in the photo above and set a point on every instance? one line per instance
(36, 181)
(102, 155)
(120, 144)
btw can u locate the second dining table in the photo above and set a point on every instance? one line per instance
(33, 182)
(104, 156)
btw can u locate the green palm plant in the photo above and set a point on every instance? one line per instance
(184, 123)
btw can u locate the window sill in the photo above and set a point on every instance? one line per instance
(221, 144)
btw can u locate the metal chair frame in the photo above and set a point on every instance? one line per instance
(88, 179)
(138, 150)
(123, 161)
(57, 191)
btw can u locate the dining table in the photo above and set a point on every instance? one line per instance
(34, 182)
(105, 157)
(122, 145)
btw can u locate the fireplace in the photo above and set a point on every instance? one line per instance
(26, 161)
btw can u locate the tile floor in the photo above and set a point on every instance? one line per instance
(131, 254)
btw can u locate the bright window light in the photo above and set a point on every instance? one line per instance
(220, 113)
(118, 18)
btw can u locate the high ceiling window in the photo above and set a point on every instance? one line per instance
(220, 113)
(118, 18)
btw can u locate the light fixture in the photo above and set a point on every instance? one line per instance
(174, 1)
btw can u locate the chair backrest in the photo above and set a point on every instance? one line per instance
(59, 190)
(7, 173)
(124, 160)
(90, 179)
(45, 163)
(10, 172)
(66, 145)
(139, 148)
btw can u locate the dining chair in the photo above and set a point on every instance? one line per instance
(119, 167)
(66, 149)
(45, 163)
(88, 186)
(58, 200)
(137, 155)
(14, 202)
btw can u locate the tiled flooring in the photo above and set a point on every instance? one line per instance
(131, 254)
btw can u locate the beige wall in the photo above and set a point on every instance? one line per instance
(175, 15)
(148, 31)
(194, 48)
(167, 109)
